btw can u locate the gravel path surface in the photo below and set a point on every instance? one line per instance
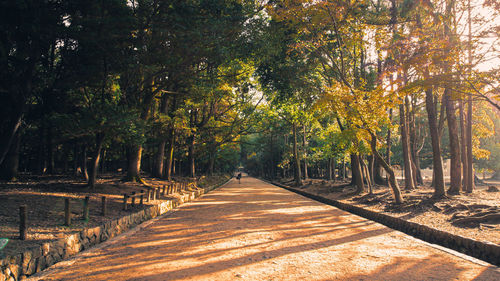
(257, 231)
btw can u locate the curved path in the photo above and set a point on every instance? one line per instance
(257, 231)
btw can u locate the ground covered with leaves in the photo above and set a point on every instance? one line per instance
(44, 197)
(475, 215)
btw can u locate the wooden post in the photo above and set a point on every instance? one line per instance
(23, 217)
(86, 208)
(142, 197)
(103, 205)
(125, 197)
(158, 195)
(163, 191)
(154, 193)
(133, 199)
(148, 198)
(67, 212)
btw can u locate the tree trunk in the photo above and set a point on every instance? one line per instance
(304, 143)
(75, 159)
(8, 135)
(366, 174)
(463, 145)
(390, 172)
(191, 141)
(417, 173)
(406, 149)
(330, 168)
(134, 163)
(377, 170)
(437, 161)
(470, 169)
(455, 166)
(94, 165)
(298, 179)
(160, 155)
(357, 175)
(10, 165)
(50, 150)
(85, 173)
(388, 149)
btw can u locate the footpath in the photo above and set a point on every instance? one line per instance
(258, 231)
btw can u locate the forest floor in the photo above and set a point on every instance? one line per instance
(475, 215)
(44, 198)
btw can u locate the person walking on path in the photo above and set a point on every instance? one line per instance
(238, 177)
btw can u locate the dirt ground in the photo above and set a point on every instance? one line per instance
(475, 215)
(257, 231)
(44, 197)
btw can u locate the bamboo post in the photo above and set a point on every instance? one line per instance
(103, 205)
(86, 208)
(142, 197)
(125, 197)
(23, 217)
(67, 212)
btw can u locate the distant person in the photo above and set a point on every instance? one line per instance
(238, 177)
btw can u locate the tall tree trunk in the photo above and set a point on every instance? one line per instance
(463, 145)
(298, 179)
(134, 163)
(170, 155)
(470, 169)
(85, 173)
(10, 165)
(94, 165)
(304, 147)
(417, 173)
(8, 134)
(377, 170)
(438, 177)
(366, 174)
(191, 141)
(357, 175)
(50, 150)
(390, 172)
(455, 166)
(406, 148)
(388, 149)
(75, 159)
(330, 168)
(160, 155)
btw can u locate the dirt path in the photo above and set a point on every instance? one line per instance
(256, 231)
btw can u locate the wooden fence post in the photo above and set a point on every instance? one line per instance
(163, 191)
(125, 197)
(67, 212)
(133, 198)
(23, 217)
(103, 205)
(149, 195)
(86, 208)
(158, 195)
(142, 197)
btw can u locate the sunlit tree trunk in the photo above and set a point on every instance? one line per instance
(357, 174)
(406, 148)
(94, 165)
(398, 198)
(304, 145)
(298, 180)
(438, 177)
(455, 166)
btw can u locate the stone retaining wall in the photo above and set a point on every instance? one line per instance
(18, 267)
(485, 251)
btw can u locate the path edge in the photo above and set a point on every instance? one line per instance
(20, 266)
(485, 251)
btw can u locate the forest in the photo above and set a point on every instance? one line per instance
(293, 88)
